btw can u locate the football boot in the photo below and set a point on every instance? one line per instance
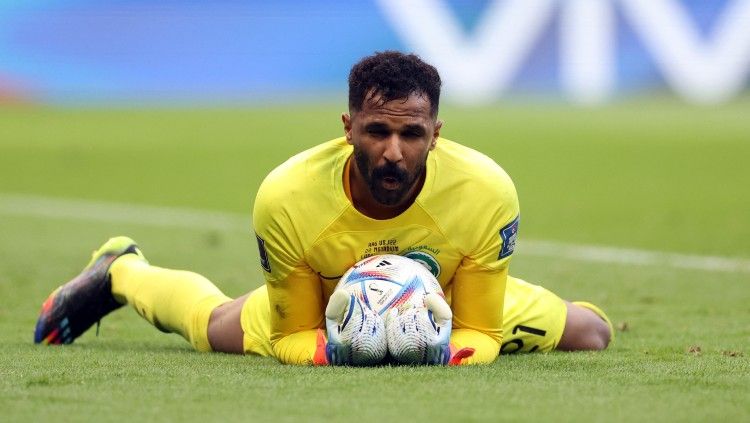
(75, 306)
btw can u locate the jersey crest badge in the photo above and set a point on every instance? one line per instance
(426, 260)
(509, 234)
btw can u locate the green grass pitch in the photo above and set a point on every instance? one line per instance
(647, 175)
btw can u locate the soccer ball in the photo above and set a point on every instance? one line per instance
(389, 281)
(389, 304)
(356, 333)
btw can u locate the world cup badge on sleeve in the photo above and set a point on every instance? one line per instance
(509, 234)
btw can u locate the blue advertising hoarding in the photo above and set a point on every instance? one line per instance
(585, 51)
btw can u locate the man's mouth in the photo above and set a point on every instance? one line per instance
(390, 182)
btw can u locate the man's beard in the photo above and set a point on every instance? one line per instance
(375, 177)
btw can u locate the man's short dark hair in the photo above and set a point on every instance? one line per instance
(393, 75)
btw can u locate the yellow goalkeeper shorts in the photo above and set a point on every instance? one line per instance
(533, 320)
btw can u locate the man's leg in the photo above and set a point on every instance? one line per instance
(535, 319)
(586, 328)
(243, 326)
(225, 332)
(172, 300)
(118, 274)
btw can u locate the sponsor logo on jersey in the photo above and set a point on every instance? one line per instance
(426, 260)
(509, 234)
(263, 254)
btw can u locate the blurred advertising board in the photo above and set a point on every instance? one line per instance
(582, 51)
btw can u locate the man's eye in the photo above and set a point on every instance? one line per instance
(377, 132)
(411, 134)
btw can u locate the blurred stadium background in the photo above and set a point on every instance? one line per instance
(624, 123)
(176, 51)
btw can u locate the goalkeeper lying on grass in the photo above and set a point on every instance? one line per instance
(391, 185)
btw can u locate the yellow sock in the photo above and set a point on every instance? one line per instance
(172, 300)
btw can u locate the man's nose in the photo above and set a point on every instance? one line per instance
(392, 151)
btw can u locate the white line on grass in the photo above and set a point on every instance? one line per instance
(70, 209)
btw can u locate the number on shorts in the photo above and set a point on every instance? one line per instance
(516, 345)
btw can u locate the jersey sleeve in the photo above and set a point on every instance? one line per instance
(478, 286)
(294, 290)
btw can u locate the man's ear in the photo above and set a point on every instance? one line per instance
(436, 133)
(346, 119)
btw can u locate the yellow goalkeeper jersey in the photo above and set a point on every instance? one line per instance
(462, 226)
